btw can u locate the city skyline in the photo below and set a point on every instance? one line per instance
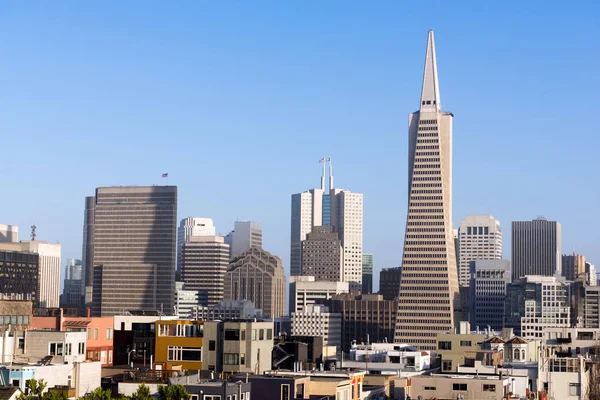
(524, 167)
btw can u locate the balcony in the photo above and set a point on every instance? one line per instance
(147, 376)
(566, 340)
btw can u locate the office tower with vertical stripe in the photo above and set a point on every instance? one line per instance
(536, 248)
(429, 283)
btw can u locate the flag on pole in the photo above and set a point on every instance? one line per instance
(165, 175)
(321, 160)
(328, 159)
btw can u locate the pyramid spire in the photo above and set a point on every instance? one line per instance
(430, 94)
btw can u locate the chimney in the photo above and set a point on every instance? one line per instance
(88, 311)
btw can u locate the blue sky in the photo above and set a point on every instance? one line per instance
(238, 101)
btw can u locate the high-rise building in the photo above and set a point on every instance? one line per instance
(592, 278)
(429, 283)
(305, 290)
(487, 292)
(389, 282)
(204, 262)
(192, 226)
(9, 233)
(535, 302)
(365, 318)
(367, 273)
(185, 301)
(19, 276)
(48, 295)
(245, 234)
(134, 244)
(536, 248)
(338, 208)
(322, 254)
(87, 258)
(572, 266)
(74, 285)
(316, 320)
(480, 238)
(258, 276)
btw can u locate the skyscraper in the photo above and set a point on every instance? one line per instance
(73, 290)
(9, 233)
(322, 255)
(204, 261)
(134, 243)
(572, 266)
(245, 234)
(429, 282)
(480, 238)
(367, 273)
(189, 227)
(339, 208)
(536, 248)
(487, 293)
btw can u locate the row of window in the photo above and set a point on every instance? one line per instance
(426, 197)
(435, 172)
(109, 333)
(424, 178)
(428, 121)
(181, 353)
(427, 153)
(62, 349)
(14, 319)
(427, 147)
(428, 204)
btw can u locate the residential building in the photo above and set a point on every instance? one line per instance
(487, 292)
(227, 309)
(388, 357)
(335, 384)
(480, 238)
(365, 318)
(536, 302)
(338, 208)
(73, 379)
(389, 282)
(270, 388)
(204, 262)
(200, 388)
(245, 234)
(15, 315)
(515, 349)
(429, 283)
(185, 301)
(192, 226)
(316, 320)
(563, 378)
(454, 348)
(237, 346)
(19, 273)
(322, 254)
(306, 290)
(367, 273)
(454, 386)
(573, 266)
(179, 342)
(9, 233)
(48, 294)
(64, 347)
(74, 285)
(134, 243)
(536, 248)
(570, 342)
(135, 337)
(258, 276)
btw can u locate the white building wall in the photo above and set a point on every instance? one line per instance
(192, 226)
(305, 290)
(316, 320)
(87, 377)
(245, 234)
(185, 301)
(348, 222)
(480, 238)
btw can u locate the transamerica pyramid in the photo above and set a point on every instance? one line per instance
(429, 281)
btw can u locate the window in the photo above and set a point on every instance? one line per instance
(253, 334)
(81, 348)
(447, 365)
(231, 359)
(180, 353)
(95, 333)
(243, 334)
(269, 334)
(212, 345)
(429, 388)
(285, 392)
(574, 389)
(242, 359)
(261, 334)
(211, 397)
(489, 388)
(89, 333)
(232, 334)
(465, 343)
(459, 386)
(110, 356)
(109, 333)
(68, 349)
(21, 343)
(445, 346)
(56, 348)
(194, 397)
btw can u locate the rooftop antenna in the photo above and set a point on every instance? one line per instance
(322, 161)
(328, 159)
(33, 234)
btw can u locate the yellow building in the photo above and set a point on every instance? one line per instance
(179, 342)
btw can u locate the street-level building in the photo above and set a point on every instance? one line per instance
(180, 342)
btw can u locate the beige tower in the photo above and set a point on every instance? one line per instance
(429, 282)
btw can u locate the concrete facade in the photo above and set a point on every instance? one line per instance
(389, 282)
(306, 290)
(134, 249)
(20, 276)
(322, 255)
(192, 226)
(9, 233)
(487, 293)
(480, 238)
(536, 248)
(316, 320)
(429, 283)
(367, 273)
(204, 262)
(185, 301)
(245, 234)
(258, 276)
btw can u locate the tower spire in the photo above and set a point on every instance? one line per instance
(430, 94)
